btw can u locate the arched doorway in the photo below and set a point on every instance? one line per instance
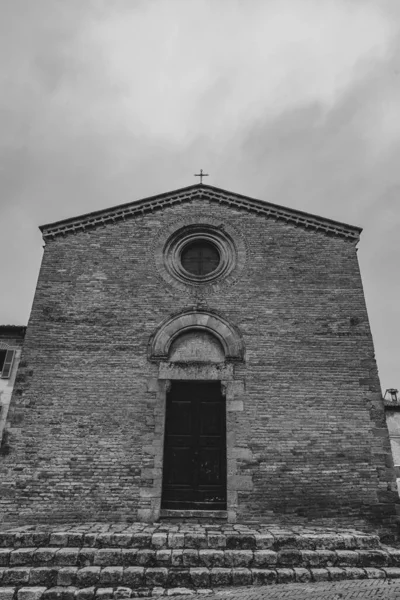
(196, 352)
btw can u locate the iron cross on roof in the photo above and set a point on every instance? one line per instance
(201, 175)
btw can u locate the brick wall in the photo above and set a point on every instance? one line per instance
(312, 430)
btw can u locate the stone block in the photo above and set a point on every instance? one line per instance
(319, 575)
(66, 557)
(133, 577)
(122, 592)
(290, 558)
(66, 576)
(58, 538)
(90, 540)
(156, 576)
(373, 558)
(195, 540)
(85, 593)
(373, 573)
(321, 558)
(159, 540)
(129, 557)
(177, 558)
(392, 572)
(355, 573)
(302, 575)
(86, 557)
(176, 540)
(285, 575)
(4, 557)
(30, 593)
(347, 558)
(241, 576)
(44, 556)
(46, 576)
(263, 541)
(190, 558)
(75, 540)
(163, 558)
(264, 559)
(237, 541)
(234, 406)
(156, 592)
(216, 540)
(336, 573)
(211, 558)
(200, 577)
(238, 558)
(16, 576)
(141, 540)
(178, 578)
(122, 540)
(242, 453)
(88, 576)
(7, 593)
(60, 593)
(220, 577)
(21, 557)
(111, 576)
(108, 557)
(264, 576)
(104, 540)
(7, 540)
(146, 558)
(180, 591)
(152, 384)
(394, 557)
(104, 593)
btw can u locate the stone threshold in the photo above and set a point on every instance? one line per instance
(183, 515)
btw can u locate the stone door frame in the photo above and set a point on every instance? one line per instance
(233, 390)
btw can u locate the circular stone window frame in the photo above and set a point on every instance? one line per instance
(230, 244)
(197, 234)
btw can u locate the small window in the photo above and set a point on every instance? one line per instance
(6, 362)
(200, 258)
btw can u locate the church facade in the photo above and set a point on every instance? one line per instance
(198, 353)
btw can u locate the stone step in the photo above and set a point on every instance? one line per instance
(67, 581)
(188, 557)
(206, 539)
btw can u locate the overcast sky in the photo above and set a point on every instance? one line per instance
(293, 101)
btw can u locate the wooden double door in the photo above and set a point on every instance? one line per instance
(194, 471)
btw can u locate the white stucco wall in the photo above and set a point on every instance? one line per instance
(393, 424)
(6, 385)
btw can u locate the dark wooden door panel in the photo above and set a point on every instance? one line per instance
(194, 474)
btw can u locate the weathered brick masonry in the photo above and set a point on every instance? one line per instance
(306, 429)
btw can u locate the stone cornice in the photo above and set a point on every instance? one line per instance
(210, 193)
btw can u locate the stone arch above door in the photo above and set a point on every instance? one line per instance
(211, 323)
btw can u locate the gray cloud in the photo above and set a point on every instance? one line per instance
(291, 101)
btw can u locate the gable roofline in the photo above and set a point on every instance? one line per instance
(186, 194)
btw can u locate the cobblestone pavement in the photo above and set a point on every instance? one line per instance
(341, 590)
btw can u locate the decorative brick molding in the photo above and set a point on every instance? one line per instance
(227, 335)
(209, 193)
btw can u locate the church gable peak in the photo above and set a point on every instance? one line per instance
(198, 191)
